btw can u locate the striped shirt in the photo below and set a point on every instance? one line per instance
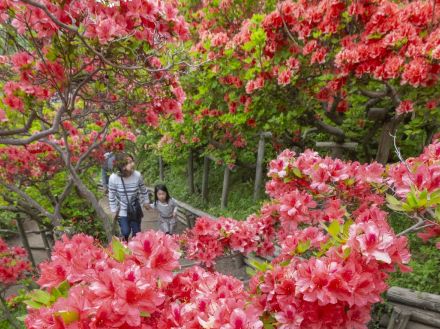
(135, 187)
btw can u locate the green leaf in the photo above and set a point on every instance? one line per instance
(334, 228)
(260, 266)
(303, 246)
(433, 198)
(423, 198)
(268, 321)
(145, 314)
(61, 291)
(248, 46)
(346, 228)
(316, 34)
(411, 200)
(40, 296)
(33, 304)
(250, 271)
(68, 316)
(375, 36)
(347, 252)
(393, 203)
(297, 172)
(119, 251)
(285, 263)
(21, 318)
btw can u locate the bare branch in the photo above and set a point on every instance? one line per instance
(29, 200)
(374, 94)
(20, 130)
(39, 135)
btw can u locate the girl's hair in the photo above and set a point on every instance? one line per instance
(121, 160)
(161, 187)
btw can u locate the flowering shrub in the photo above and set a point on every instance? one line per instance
(133, 286)
(13, 264)
(39, 159)
(336, 253)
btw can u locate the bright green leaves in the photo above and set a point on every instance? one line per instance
(303, 246)
(68, 316)
(39, 298)
(258, 36)
(415, 200)
(119, 250)
(268, 321)
(257, 266)
(334, 228)
(339, 234)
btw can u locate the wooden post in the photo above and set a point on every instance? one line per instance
(25, 240)
(259, 169)
(45, 241)
(161, 175)
(337, 149)
(225, 191)
(205, 179)
(399, 319)
(191, 173)
(386, 140)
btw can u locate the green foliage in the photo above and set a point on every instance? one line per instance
(7, 222)
(425, 262)
(17, 312)
(240, 203)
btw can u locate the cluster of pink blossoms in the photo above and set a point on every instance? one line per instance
(135, 287)
(337, 248)
(13, 264)
(106, 291)
(212, 238)
(39, 158)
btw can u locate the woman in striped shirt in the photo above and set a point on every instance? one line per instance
(119, 197)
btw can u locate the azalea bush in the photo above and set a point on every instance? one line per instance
(336, 252)
(132, 286)
(14, 265)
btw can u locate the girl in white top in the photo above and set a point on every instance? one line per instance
(167, 208)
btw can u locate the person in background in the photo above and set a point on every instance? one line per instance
(167, 208)
(124, 186)
(106, 169)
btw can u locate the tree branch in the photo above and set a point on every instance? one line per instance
(37, 136)
(20, 130)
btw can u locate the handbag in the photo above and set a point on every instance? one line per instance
(134, 209)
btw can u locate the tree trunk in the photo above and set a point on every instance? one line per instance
(24, 240)
(430, 132)
(161, 175)
(386, 140)
(259, 169)
(94, 202)
(205, 179)
(225, 191)
(191, 173)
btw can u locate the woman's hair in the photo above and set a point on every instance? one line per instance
(121, 160)
(161, 187)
